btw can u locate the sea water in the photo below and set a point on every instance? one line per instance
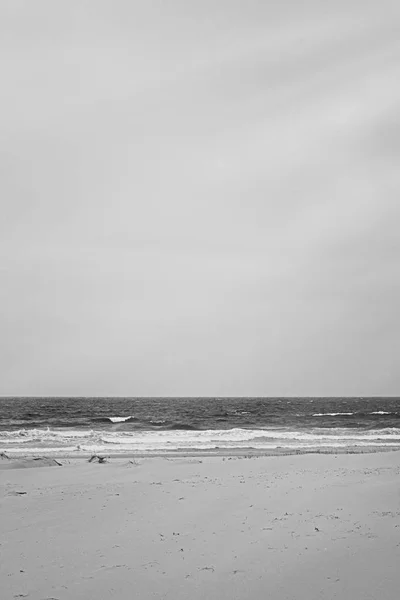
(30, 426)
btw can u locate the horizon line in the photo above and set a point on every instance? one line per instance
(108, 397)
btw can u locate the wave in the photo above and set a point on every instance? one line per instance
(359, 414)
(120, 419)
(189, 431)
(107, 420)
(151, 422)
(182, 426)
(30, 441)
(338, 414)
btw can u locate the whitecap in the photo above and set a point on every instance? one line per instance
(333, 414)
(119, 419)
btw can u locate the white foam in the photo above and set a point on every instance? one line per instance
(333, 414)
(145, 441)
(119, 419)
(99, 448)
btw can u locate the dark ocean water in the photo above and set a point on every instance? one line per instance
(160, 424)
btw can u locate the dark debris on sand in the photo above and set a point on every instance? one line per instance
(96, 458)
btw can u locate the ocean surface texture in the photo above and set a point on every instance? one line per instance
(162, 425)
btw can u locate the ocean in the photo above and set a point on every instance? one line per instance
(146, 426)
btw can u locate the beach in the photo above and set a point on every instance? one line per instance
(200, 333)
(218, 527)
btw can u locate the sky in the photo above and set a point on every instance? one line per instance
(199, 198)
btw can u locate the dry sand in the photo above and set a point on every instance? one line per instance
(289, 527)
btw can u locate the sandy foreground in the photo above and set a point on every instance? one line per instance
(286, 527)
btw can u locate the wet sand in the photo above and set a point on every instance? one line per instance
(286, 527)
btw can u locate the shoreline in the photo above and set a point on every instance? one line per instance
(200, 453)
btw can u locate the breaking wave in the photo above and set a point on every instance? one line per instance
(338, 414)
(120, 419)
(31, 441)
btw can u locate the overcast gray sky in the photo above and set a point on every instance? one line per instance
(199, 197)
